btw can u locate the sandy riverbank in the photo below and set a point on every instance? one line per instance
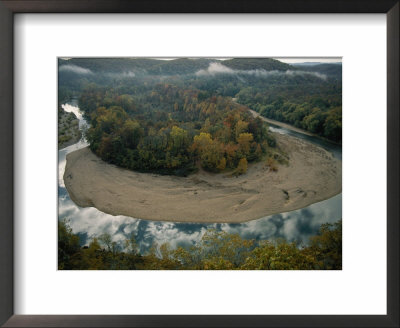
(311, 176)
(277, 123)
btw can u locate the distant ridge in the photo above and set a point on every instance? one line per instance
(333, 70)
(172, 67)
(267, 64)
(315, 63)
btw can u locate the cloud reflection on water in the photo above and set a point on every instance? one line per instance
(293, 226)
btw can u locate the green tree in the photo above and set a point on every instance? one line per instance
(106, 241)
(68, 246)
(244, 140)
(242, 166)
(179, 140)
(131, 245)
(327, 246)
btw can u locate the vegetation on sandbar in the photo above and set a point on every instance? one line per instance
(169, 130)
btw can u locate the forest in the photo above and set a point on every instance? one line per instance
(166, 129)
(306, 96)
(217, 250)
(68, 128)
(174, 116)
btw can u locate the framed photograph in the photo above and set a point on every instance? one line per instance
(203, 164)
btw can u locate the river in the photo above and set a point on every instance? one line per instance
(89, 222)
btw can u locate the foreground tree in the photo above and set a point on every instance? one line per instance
(217, 250)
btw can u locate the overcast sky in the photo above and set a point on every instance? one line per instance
(289, 59)
(282, 59)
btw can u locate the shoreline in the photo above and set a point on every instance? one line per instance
(283, 125)
(68, 129)
(290, 127)
(280, 124)
(313, 175)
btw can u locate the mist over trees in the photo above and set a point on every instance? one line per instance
(167, 116)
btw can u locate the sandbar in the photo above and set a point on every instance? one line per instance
(312, 175)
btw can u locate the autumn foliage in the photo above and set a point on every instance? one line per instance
(217, 250)
(170, 130)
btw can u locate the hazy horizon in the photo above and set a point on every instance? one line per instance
(287, 60)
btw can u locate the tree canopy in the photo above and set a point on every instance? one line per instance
(217, 250)
(169, 130)
(148, 114)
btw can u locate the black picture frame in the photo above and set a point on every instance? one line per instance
(10, 7)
